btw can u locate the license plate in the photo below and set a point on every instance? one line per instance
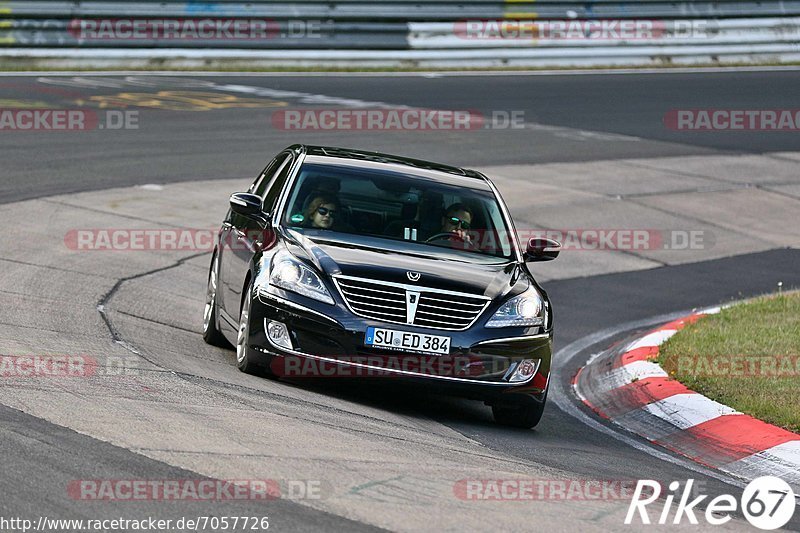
(404, 340)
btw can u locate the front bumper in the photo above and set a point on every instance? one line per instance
(328, 341)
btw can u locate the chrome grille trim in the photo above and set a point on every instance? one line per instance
(440, 315)
(364, 314)
(357, 288)
(379, 306)
(417, 322)
(451, 301)
(464, 309)
(443, 308)
(373, 298)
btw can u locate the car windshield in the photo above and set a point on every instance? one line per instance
(388, 204)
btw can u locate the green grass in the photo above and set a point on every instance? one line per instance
(744, 341)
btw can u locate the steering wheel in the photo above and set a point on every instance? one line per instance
(445, 235)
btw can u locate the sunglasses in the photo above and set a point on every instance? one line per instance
(325, 211)
(455, 221)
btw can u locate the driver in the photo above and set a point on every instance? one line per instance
(457, 220)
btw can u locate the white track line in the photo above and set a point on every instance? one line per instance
(655, 338)
(621, 376)
(782, 461)
(687, 410)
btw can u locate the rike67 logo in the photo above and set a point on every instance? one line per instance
(767, 503)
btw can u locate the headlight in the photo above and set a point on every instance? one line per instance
(527, 309)
(294, 276)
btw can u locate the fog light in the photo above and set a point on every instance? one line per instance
(278, 334)
(525, 370)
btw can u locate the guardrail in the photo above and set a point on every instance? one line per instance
(416, 32)
(404, 10)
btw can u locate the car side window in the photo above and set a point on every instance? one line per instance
(271, 187)
(263, 178)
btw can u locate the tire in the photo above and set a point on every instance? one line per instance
(244, 358)
(525, 415)
(211, 332)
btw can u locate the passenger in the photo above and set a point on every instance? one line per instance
(321, 212)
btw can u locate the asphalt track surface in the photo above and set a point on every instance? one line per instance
(39, 457)
(175, 145)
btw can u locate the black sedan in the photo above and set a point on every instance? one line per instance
(346, 263)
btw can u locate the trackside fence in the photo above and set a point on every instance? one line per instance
(462, 32)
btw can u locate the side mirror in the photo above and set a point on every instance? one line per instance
(246, 204)
(541, 249)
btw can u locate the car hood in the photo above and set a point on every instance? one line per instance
(439, 268)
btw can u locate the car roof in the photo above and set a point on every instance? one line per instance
(407, 165)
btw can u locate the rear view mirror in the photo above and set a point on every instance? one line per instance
(541, 249)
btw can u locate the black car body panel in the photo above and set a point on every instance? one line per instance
(468, 288)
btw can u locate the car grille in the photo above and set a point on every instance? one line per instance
(386, 301)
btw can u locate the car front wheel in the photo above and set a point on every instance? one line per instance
(244, 359)
(211, 333)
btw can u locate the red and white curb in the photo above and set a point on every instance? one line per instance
(626, 387)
